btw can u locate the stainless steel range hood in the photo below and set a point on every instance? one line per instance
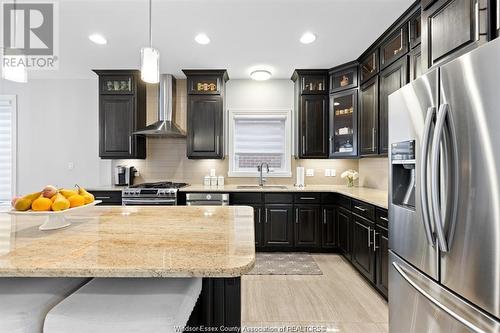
(165, 126)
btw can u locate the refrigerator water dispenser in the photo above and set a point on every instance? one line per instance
(403, 174)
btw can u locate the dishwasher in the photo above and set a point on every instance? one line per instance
(207, 199)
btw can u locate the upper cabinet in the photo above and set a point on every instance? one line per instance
(344, 77)
(205, 113)
(369, 65)
(451, 28)
(394, 46)
(344, 124)
(368, 118)
(122, 110)
(311, 105)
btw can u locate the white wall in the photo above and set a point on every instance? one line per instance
(57, 124)
(256, 95)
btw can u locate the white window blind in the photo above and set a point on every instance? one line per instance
(7, 146)
(258, 138)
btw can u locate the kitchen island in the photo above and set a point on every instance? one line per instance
(216, 243)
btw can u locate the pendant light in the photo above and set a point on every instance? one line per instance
(150, 58)
(18, 73)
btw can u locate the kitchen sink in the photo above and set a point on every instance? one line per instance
(257, 187)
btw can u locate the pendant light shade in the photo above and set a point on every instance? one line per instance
(150, 58)
(150, 65)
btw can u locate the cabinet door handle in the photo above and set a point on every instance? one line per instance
(260, 213)
(303, 144)
(324, 216)
(402, 36)
(369, 237)
(374, 62)
(373, 139)
(102, 198)
(130, 144)
(307, 198)
(384, 219)
(360, 208)
(296, 216)
(375, 247)
(266, 215)
(217, 138)
(476, 9)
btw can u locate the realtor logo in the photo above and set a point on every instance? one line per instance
(29, 35)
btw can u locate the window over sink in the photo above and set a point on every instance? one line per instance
(257, 136)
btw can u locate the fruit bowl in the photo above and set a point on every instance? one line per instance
(54, 219)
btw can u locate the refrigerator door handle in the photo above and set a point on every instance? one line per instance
(431, 112)
(437, 303)
(436, 209)
(444, 114)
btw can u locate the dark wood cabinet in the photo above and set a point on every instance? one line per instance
(205, 113)
(307, 226)
(122, 111)
(363, 256)
(311, 116)
(344, 77)
(343, 219)
(368, 117)
(415, 25)
(278, 226)
(343, 124)
(381, 248)
(205, 127)
(415, 59)
(329, 227)
(313, 120)
(369, 65)
(394, 46)
(391, 79)
(108, 197)
(451, 28)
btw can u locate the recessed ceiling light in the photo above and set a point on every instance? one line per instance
(307, 38)
(98, 39)
(336, 103)
(202, 39)
(260, 75)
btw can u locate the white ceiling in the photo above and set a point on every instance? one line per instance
(244, 33)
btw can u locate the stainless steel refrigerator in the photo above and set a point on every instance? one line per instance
(444, 198)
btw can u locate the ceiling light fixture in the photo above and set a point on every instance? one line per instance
(336, 103)
(307, 38)
(150, 58)
(98, 39)
(260, 75)
(202, 39)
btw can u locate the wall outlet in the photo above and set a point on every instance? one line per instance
(333, 172)
(327, 172)
(310, 172)
(71, 165)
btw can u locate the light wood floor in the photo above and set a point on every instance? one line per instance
(340, 300)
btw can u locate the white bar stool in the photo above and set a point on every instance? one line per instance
(126, 305)
(24, 302)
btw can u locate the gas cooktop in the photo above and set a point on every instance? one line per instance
(160, 185)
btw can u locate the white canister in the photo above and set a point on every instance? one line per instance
(220, 181)
(206, 181)
(213, 181)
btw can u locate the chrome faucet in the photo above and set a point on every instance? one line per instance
(260, 168)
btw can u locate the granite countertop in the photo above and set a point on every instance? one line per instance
(133, 241)
(375, 197)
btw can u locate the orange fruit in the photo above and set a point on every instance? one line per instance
(76, 200)
(41, 204)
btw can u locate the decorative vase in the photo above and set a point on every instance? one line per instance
(350, 182)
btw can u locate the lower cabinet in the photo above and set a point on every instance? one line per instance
(278, 226)
(382, 255)
(343, 220)
(307, 223)
(329, 227)
(363, 255)
(108, 198)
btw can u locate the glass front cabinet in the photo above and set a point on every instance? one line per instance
(343, 124)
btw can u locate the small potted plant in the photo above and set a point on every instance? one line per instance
(351, 176)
